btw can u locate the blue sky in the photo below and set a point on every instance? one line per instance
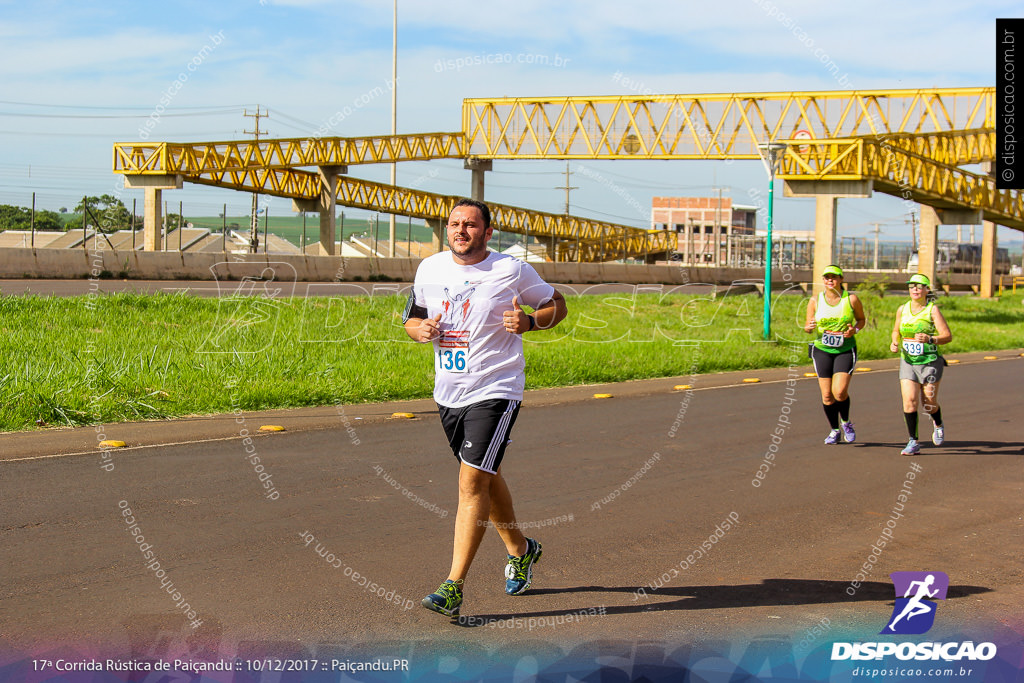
(79, 76)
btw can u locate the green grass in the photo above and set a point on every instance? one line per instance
(73, 361)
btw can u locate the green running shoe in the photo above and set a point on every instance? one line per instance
(446, 600)
(519, 570)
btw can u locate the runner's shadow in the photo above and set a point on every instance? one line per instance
(978, 448)
(770, 592)
(950, 447)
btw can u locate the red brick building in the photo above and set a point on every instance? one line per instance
(702, 223)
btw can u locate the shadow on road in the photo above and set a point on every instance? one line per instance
(949, 447)
(768, 593)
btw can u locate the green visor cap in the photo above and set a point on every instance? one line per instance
(920, 279)
(832, 270)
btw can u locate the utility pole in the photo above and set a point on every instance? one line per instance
(394, 119)
(254, 228)
(913, 231)
(718, 230)
(567, 188)
(876, 231)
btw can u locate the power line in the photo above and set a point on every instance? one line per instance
(36, 115)
(233, 107)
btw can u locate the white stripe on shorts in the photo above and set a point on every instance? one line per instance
(499, 438)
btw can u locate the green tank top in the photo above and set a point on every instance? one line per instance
(832, 321)
(917, 353)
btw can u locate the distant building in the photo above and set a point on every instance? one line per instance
(705, 225)
(535, 254)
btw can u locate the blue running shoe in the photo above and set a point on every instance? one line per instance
(912, 448)
(446, 600)
(832, 438)
(519, 570)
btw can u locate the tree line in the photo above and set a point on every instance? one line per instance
(105, 213)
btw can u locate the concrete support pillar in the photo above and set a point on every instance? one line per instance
(328, 227)
(989, 243)
(152, 237)
(437, 236)
(478, 167)
(926, 248)
(328, 200)
(550, 247)
(152, 220)
(824, 237)
(931, 218)
(306, 205)
(827, 194)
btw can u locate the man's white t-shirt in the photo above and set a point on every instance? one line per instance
(476, 358)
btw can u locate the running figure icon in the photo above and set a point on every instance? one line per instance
(915, 607)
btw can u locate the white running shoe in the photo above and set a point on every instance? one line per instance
(938, 435)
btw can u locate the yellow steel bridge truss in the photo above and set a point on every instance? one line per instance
(909, 143)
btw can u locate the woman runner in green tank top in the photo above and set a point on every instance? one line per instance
(916, 335)
(835, 316)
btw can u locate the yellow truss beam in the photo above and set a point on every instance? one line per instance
(908, 142)
(160, 158)
(591, 237)
(903, 173)
(709, 126)
(953, 148)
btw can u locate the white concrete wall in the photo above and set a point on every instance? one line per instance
(172, 265)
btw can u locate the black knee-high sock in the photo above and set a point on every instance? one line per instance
(832, 413)
(911, 420)
(844, 409)
(937, 416)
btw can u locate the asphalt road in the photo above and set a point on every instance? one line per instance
(622, 492)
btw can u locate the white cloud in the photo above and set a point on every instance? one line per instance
(33, 54)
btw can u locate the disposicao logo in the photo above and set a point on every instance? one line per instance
(914, 612)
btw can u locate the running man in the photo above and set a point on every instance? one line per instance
(836, 316)
(916, 335)
(915, 606)
(467, 302)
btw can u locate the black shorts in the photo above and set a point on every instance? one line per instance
(478, 433)
(827, 364)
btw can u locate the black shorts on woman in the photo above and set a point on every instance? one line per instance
(828, 364)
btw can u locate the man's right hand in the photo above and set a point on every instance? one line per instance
(429, 329)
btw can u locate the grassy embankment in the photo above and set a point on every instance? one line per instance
(130, 357)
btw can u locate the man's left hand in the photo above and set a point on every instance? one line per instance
(516, 321)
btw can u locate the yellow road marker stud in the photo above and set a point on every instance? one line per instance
(954, 361)
(863, 370)
(112, 443)
(271, 428)
(810, 374)
(681, 387)
(602, 395)
(751, 380)
(990, 357)
(402, 416)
